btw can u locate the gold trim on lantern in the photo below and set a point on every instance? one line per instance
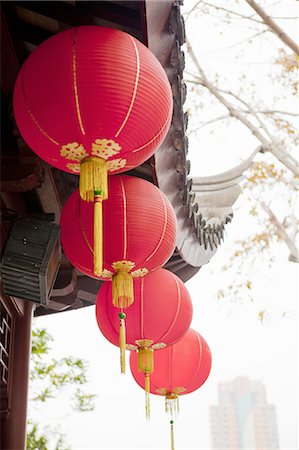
(179, 390)
(105, 148)
(124, 266)
(75, 168)
(139, 273)
(106, 274)
(144, 342)
(131, 347)
(73, 151)
(158, 346)
(116, 164)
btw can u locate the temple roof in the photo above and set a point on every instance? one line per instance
(28, 185)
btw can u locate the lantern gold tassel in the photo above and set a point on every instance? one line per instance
(93, 177)
(145, 356)
(122, 342)
(172, 404)
(98, 235)
(145, 364)
(171, 435)
(122, 289)
(94, 187)
(147, 387)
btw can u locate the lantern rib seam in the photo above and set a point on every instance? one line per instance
(75, 84)
(32, 115)
(134, 90)
(179, 298)
(163, 231)
(200, 360)
(152, 140)
(83, 232)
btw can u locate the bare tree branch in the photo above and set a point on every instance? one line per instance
(217, 119)
(269, 144)
(231, 12)
(294, 254)
(273, 111)
(274, 27)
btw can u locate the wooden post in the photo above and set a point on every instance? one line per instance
(13, 426)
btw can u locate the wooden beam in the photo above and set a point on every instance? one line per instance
(16, 177)
(84, 12)
(160, 39)
(13, 427)
(9, 61)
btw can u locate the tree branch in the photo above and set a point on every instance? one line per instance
(216, 119)
(273, 111)
(269, 145)
(231, 12)
(294, 254)
(274, 27)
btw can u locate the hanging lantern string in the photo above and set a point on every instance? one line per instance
(122, 341)
(94, 188)
(172, 435)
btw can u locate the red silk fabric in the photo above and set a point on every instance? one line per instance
(90, 83)
(161, 312)
(139, 225)
(181, 368)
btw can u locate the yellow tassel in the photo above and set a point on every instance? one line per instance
(147, 387)
(171, 435)
(122, 289)
(172, 404)
(145, 360)
(93, 177)
(98, 236)
(122, 342)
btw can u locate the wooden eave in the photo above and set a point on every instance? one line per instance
(28, 185)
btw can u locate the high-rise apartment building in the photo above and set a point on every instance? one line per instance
(243, 418)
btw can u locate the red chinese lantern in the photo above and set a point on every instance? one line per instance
(93, 100)
(180, 369)
(139, 231)
(160, 316)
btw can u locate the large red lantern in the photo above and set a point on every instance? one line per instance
(160, 316)
(139, 231)
(179, 370)
(93, 100)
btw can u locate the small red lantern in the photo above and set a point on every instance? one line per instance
(179, 370)
(139, 231)
(93, 100)
(160, 316)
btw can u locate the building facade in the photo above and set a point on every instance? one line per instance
(243, 418)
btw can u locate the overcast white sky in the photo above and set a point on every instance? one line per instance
(240, 344)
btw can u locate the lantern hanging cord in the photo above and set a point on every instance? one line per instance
(172, 435)
(122, 342)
